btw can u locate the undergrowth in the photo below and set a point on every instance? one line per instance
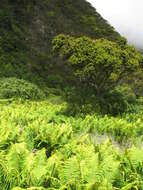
(41, 148)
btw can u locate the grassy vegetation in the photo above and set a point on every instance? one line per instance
(41, 148)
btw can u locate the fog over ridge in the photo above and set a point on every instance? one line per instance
(126, 16)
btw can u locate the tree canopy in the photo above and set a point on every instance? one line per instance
(102, 64)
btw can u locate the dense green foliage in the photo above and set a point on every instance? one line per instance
(102, 66)
(28, 27)
(14, 88)
(99, 63)
(43, 149)
(56, 128)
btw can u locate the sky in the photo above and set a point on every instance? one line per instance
(126, 16)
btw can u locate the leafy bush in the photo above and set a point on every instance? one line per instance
(128, 93)
(114, 102)
(13, 87)
(118, 100)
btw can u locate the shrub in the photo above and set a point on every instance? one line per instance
(118, 100)
(128, 93)
(13, 87)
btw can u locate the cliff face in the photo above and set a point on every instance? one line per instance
(28, 27)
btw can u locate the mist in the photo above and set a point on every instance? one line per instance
(126, 16)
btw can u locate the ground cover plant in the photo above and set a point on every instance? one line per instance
(41, 148)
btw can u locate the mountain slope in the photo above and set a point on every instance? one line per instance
(28, 27)
(50, 18)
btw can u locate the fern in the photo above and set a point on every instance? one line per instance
(40, 151)
(69, 172)
(35, 169)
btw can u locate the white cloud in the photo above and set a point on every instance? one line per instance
(125, 15)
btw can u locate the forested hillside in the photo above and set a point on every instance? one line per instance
(71, 99)
(28, 27)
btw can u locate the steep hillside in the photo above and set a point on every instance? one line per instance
(50, 18)
(28, 27)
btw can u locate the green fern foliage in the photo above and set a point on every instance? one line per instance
(42, 149)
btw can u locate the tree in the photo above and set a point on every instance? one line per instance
(100, 64)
